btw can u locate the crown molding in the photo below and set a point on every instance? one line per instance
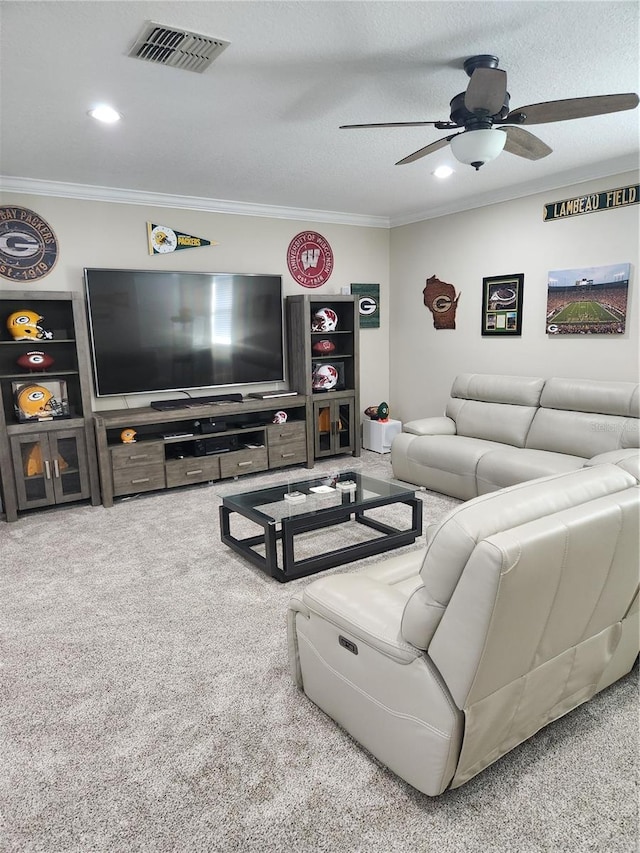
(534, 187)
(87, 192)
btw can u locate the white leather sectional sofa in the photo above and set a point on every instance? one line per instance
(501, 430)
(524, 603)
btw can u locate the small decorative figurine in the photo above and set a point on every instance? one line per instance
(24, 325)
(280, 418)
(378, 413)
(383, 412)
(128, 436)
(35, 360)
(324, 320)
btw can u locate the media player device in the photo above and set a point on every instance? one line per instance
(216, 444)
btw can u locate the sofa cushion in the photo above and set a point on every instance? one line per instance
(592, 395)
(501, 422)
(576, 433)
(493, 388)
(464, 527)
(447, 462)
(494, 407)
(500, 468)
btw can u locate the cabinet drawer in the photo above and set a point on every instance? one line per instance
(243, 462)
(181, 472)
(289, 453)
(145, 453)
(286, 433)
(138, 478)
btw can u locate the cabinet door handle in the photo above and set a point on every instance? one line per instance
(193, 473)
(47, 469)
(139, 456)
(244, 464)
(287, 455)
(141, 480)
(56, 468)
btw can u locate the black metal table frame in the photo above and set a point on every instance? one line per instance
(290, 527)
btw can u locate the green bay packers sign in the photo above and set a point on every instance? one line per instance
(28, 246)
(368, 304)
(593, 203)
(163, 239)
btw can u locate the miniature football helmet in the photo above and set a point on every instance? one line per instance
(324, 320)
(280, 418)
(23, 326)
(36, 401)
(128, 436)
(324, 378)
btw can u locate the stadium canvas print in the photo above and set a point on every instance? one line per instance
(588, 300)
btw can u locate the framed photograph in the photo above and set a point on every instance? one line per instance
(40, 401)
(502, 305)
(588, 300)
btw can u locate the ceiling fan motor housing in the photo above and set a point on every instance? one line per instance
(461, 116)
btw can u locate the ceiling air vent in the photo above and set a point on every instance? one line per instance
(176, 48)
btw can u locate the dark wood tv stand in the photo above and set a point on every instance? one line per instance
(172, 450)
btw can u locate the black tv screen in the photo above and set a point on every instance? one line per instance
(173, 331)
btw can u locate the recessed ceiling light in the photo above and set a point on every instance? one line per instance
(443, 172)
(105, 114)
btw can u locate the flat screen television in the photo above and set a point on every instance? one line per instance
(174, 331)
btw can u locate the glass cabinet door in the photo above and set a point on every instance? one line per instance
(69, 465)
(323, 429)
(344, 426)
(33, 472)
(50, 467)
(334, 426)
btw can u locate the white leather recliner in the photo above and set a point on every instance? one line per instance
(523, 606)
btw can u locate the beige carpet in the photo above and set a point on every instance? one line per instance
(146, 705)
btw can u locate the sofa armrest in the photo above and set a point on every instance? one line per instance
(431, 426)
(364, 609)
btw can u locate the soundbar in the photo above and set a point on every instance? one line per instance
(194, 402)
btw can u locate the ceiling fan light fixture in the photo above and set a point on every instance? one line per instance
(477, 147)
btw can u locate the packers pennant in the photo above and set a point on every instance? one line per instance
(607, 200)
(163, 239)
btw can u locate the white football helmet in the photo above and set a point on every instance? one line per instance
(280, 418)
(324, 320)
(324, 378)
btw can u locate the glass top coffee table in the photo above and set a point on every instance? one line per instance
(289, 509)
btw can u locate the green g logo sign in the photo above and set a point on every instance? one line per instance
(368, 296)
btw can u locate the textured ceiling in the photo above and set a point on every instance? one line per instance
(260, 125)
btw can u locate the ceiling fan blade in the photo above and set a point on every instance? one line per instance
(428, 149)
(525, 144)
(572, 108)
(399, 124)
(486, 91)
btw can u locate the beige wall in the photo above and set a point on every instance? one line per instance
(106, 234)
(506, 238)
(406, 361)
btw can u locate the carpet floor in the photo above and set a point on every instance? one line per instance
(146, 705)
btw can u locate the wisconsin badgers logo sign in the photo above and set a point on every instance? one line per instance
(310, 259)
